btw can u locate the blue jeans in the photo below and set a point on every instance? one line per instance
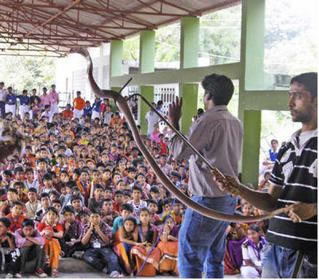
(101, 258)
(202, 240)
(279, 262)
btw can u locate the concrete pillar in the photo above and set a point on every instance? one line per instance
(189, 42)
(116, 57)
(147, 61)
(189, 47)
(147, 51)
(251, 146)
(252, 77)
(190, 94)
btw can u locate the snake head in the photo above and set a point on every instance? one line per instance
(82, 51)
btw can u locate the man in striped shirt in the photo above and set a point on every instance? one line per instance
(293, 184)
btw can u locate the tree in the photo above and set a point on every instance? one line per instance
(27, 72)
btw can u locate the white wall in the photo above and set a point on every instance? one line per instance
(71, 73)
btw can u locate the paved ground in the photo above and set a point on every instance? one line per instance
(74, 269)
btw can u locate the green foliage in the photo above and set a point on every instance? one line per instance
(27, 72)
(131, 49)
(167, 43)
(291, 36)
(220, 35)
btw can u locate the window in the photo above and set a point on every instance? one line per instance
(219, 37)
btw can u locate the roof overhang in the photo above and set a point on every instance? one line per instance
(53, 27)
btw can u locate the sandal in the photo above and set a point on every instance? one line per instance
(54, 273)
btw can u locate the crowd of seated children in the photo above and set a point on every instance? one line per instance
(81, 188)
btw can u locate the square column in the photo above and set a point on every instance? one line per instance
(189, 58)
(251, 146)
(189, 109)
(147, 62)
(252, 77)
(116, 57)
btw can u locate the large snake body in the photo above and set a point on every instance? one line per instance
(123, 106)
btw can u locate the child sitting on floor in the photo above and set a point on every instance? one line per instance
(252, 251)
(10, 260)
(52, 232)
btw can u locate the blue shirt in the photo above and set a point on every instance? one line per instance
(96, 106)
(87, 111)
(24, 99)
(11, 99)
(273, 155)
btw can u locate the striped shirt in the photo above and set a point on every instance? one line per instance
(295, 170)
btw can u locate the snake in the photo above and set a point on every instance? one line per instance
(122, 105)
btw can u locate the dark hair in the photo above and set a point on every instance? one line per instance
(108, 189)
(27, 223)
(56, 201)
(130, 218)
(44, 194)
(308, 80)
(68, 209)
(274, 140)
(52, 209)
(151, 201)
(118, 192)
(219, 87)
(13, 190)
(47, 177)
(54, 192)
(131, 169)
(144, 209)
(7, 172)
(75, 197)
(167, 201)
(200, 111)
(18, 169)
(135, 188)
(34, 190)
(98, 186)
(17, 203)
(127, 192)
(127, 207)
(106, 200)
(71, 184)
(154, 189)
(5, 221)
(83, 213)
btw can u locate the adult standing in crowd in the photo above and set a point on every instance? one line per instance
(3, 96)
(45, 98)
(11, 102)
(54, 100)
(152, 119)
(294, 183)
(78, 105)
(96, 108)
(34, 97)
(218, 136)
(24, 103)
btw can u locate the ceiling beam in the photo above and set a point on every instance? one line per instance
(75, 2)
(33, 55)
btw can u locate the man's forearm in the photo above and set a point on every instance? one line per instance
(260, 200)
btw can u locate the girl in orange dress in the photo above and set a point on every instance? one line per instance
(52, 232)
(128, 235)
(168, 247)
